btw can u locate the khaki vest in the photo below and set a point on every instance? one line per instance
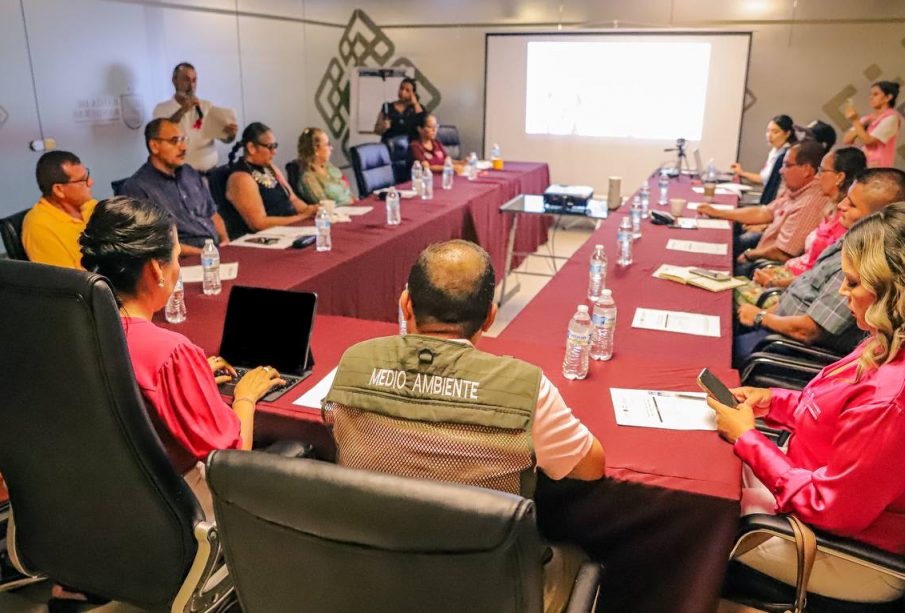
(426, 407)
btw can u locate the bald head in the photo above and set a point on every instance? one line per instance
(452, 283)
(882, 186)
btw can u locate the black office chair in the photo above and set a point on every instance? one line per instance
(117, 186)
(754, 589)
(399, 154)
(11, 232)
(349, 539)
(96, 503)
(449, 137)
(293, 174)
(373, 167)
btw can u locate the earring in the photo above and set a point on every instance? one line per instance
(160, 282)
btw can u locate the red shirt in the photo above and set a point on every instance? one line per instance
(845, 470)
(435, 157)
(176, 380)
(825, 235)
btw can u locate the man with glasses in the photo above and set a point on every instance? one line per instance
(51, 229)
(188, 111)
(811, 310)
(167, 180)
(791, 216)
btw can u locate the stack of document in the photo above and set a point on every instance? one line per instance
(693, 206)
(677, 321)
(683, 275)
(697, 247)
(278, 237)
(666, 410)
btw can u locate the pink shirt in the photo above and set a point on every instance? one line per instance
(176, 380)
(825, 235)
(434, 157)
(881, 154)
(845, 469)
(560, 440)
(795, 214)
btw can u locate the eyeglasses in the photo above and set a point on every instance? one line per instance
(85, 180)
(175, 140)
(822, 170)
(270, 146)
(788, 165)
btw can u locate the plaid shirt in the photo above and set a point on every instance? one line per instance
(795, 215)
(816, 294)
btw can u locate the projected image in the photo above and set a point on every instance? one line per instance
(645, 90)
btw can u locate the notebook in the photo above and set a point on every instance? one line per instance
(269, 327)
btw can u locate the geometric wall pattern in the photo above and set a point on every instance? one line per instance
(363, 44)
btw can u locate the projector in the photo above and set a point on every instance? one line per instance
(567, 198)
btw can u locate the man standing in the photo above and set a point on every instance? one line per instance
(791, 217)
(168, 181)
(51, 229)
(189, 111)
(811, 310)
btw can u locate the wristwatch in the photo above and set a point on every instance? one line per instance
(759, 318)
(745, 253)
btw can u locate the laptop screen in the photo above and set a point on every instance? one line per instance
(268, 327)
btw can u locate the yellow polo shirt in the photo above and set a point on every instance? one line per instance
(51, 236)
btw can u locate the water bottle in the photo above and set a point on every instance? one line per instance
(624, 238)
(711, 175)
(210, 265)
(448, 173)
(175, 312)
(496, 157)
(394, 216)
(427, 185)
(472, 166)
(663, 183)
(596, 273)
(636, 217)
(604, 321)
(645, 201)
(417, 174)
(322, 222)
(578, 345)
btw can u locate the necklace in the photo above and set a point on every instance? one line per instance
(264, 177)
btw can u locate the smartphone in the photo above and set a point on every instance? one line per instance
(708, 382)
(710, 274)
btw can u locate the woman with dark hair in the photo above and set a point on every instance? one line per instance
(256, 189)
(399, 117)
(842, 472)
(320, 179)
(837, 172)
(878, 130)
(133, 244)
(427, 149)
(780, 136)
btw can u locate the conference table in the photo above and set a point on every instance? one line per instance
(663, 520)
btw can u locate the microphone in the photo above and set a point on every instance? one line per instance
(199, 112)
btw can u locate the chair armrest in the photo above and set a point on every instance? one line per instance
(767, 294)
(764, 263)
(586, 589)
(787, 347)
(831, 544)
(764, 364)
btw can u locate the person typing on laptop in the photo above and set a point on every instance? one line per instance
(133, 243)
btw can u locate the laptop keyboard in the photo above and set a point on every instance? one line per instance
(291, 381)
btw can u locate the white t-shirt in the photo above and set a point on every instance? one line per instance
(768, 165)
(886, 129)
(201, 154)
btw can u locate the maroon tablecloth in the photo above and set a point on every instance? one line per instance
(663, 520)
(369, 264)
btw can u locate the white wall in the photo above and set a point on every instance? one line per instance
(805, 53)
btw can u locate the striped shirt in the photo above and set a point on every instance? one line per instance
(795, 215)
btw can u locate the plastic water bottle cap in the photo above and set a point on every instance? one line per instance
(582, 308)
(598, 246)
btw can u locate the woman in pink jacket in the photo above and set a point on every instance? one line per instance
(844, 471)
(878, 130)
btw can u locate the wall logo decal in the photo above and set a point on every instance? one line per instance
(4, 115)
(133, 109)
(363, 44)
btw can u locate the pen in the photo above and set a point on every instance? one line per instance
(691, 395)
(657, 407)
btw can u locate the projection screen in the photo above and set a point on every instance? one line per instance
(601, 104)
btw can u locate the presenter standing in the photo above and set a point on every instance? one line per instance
(189, 112)
(401, 116)
(878, 130)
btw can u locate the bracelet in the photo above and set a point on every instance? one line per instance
(759, 319)
(745, 254)
(246, 398)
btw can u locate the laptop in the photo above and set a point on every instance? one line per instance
(247, 342)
